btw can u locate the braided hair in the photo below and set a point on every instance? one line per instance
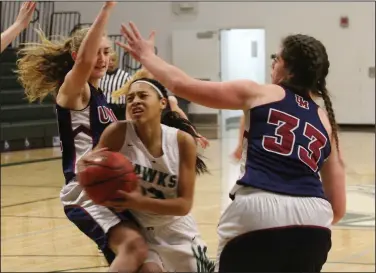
(307, 61)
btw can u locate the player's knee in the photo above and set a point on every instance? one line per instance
(137, 246)
(128, 241)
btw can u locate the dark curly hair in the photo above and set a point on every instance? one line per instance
(307, 61)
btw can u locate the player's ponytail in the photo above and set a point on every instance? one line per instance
(173, 119)
(307, 61)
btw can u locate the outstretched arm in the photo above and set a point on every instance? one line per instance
(76, 80)
(23, 19)
(233, 95)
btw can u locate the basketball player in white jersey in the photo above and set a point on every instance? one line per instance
(172, 104)
(166, 161)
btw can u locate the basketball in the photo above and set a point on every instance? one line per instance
(105, 174)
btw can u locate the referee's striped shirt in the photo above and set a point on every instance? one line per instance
(111, 82)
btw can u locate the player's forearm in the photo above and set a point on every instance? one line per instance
(169, 75)
(9, 35)
(176, 206)
(90, 45)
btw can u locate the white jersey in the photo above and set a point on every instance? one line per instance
(158, 176)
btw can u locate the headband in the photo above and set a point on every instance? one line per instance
(152, 85)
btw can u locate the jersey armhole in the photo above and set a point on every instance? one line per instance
(272, 102)
(120, 124)
(79, 110)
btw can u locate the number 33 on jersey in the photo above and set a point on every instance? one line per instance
(284, 141)
(285, 144)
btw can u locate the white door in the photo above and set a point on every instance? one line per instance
(196, 52)
(242, 57)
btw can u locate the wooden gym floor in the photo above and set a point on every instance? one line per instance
(36, 236)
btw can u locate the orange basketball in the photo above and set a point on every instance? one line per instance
(106, 173)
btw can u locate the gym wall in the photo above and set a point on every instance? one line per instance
(351, 49)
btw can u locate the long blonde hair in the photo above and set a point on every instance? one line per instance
(43, 66)
(141, 73)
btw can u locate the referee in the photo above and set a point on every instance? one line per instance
(114, 79)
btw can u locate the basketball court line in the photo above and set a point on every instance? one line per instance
(357, 255)
(30, 161)
(33, 216)
(29, 202)
(31, 186)
(32, 233)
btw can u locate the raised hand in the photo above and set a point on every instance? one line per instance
(136, 45)
(110, 4)
(26, 14)
(23, 19)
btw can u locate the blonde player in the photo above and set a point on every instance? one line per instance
(71, 70)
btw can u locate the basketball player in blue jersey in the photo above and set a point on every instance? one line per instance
(73, 68)
(282, 209)
(165, 158)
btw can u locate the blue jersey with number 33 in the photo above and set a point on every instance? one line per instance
(285, 147)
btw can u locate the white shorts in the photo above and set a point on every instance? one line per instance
(254, 209)
(92, 219)
(178, 247)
